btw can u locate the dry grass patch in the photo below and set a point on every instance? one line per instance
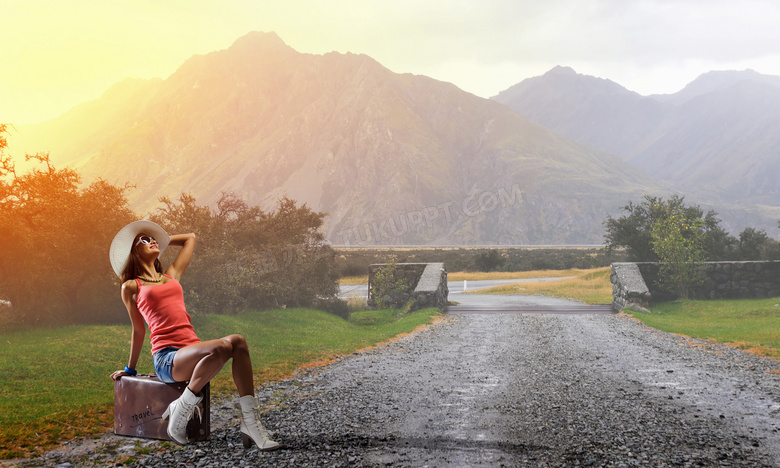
(501, 275)
(589, 286)
(360, 279)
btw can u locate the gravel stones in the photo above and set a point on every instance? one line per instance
(505, 390)
(518, 390)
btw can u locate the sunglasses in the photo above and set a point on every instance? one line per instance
(145, 240)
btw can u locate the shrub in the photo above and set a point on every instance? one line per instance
(356, 303)
(489, 260)
(386, 290)
(248, 258)
(335, 306)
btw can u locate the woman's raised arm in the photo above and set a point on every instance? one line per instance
(187, 243)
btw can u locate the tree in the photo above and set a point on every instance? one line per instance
(751, 242)
(679, 243)
(633, 231)
(249, 258)
(53, 263)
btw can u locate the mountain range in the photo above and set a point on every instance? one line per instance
(391, 158)
(718, 139)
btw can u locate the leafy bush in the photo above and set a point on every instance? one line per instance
(356, 303)
(351, 266)
(248, 258)
(386, 289)
(335, 306)
(678, 242)
(489, 260)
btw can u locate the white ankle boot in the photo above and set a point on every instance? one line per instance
(180, 412)
(252, 429)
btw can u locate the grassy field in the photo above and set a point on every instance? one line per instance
(750, 324)
(54, 383)
(589, 286)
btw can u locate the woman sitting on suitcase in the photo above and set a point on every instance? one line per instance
(178, 354)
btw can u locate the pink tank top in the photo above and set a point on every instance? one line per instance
(162, 306)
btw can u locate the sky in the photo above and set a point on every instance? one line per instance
(56, 54)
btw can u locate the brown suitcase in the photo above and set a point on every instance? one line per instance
(140, 401)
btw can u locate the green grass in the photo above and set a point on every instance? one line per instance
(55, 384)
(751, 324)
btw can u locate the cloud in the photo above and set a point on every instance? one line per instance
(650, 46)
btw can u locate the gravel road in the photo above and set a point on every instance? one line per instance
(518, 390)
(502, 390)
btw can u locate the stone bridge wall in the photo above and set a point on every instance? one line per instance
(636, 283)
(628, 287)
(426, 285)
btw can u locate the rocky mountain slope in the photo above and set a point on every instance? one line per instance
(392, 158)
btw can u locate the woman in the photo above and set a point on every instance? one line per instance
(179, 356)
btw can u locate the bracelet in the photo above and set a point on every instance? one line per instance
(130, 371)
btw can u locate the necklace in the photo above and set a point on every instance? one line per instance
(150, 280)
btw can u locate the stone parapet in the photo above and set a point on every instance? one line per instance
(628, 286)
(431, 290)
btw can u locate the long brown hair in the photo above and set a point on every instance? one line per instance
(133, 268)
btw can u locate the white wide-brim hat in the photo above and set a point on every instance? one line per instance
(123, 242)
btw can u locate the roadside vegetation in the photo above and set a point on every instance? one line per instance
(55, 385)
(353, 262)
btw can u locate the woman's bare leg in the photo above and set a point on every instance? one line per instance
(199, 363)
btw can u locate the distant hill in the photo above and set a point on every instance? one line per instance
(392, 158)
(717, 140)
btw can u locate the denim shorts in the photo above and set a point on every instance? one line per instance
(163, 364)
